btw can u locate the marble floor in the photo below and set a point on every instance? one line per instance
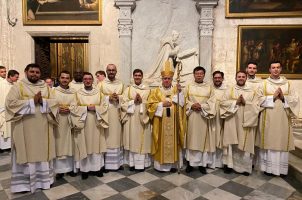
(154, 185)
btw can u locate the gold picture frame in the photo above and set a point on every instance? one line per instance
(62, 12)
(266, 43)
(268, 8)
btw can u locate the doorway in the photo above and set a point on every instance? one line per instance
(55, 54)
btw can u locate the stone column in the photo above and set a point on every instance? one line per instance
(125, 33)
(206, 27)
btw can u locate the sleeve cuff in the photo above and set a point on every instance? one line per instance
(159, 110)
(268, 102)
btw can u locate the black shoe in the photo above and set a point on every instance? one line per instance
(131, 169)
(202, 170)
(283, 175)
(268, 174)
(140, 170)
(59, 176)
(99, 173)
(7, 150)
(121, 168)
(227, 170)
(173, 170)
(245, 174)
(72, 174)
(84, 175)
(104, 170)
(189, 168)
(1, 150)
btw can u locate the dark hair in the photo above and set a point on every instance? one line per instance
(65, 72)
(252, 62)
(11, 73)
(274, 61)
(2, 67)
(218, 72)
(32, 65)
(137, 71)
(241, 71)
(100, 72)
(87, 73)
(198, 68)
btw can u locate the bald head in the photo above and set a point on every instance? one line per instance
(111, 71)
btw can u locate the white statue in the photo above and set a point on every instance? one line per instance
(168, 51)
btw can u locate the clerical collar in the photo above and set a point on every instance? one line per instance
(275, 78)
(251, 77)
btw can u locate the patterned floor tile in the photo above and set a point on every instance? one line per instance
(179, 193)
(213, 180)
(100, 192)
(5, 175)
(60, 191)
(5, 167)
(295, 196)
(17, 195)
(224, 175)
(282, 183)
(236, 188)
(259, 195)
(37, 195)
(59, 182)
(160, 186)
(123, 184)
(249, 181)
(5, 183)
(111, 176)
(143, 177)
(201, 198)
(76, 196)
(139, 193)
(275, 190)
(117, 197)
(3, 195)
(218, 194)
(159, 197)
(178, 179)
(198, 187)
(82, 185)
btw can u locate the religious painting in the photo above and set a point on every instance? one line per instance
(264, 44)
(62, 12)
(263, 8)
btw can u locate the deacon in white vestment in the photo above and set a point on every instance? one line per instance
(136, 125)
(239, 109)
(280, 103)
(31, 110)
(5, 127)
(95, 120)
(64, 133)
(200, 110)
(219, 88)
(112, 90)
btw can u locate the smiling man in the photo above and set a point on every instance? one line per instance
(200, 110)
(95, 121)
(112, 90)
(239, 109)
(136, 126)
(31, 109)
(64, 133)
(280, 103)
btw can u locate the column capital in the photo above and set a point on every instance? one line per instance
(125, 3)
(125, 19)
(206, 3)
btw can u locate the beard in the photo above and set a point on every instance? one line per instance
(32, 80)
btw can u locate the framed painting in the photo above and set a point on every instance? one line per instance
(62, 12)
(263, 8)
(264, 44)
